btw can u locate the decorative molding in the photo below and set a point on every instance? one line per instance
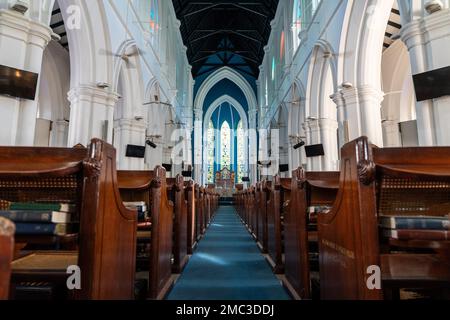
(92, 167)
(93, 94)
(366, 166)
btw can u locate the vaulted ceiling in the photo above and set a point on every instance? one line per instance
(229, 33)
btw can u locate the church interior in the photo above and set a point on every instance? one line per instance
(240, 150)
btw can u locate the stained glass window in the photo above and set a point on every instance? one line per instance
(266, 96)
(297, 22)
(282, 45)
(225, 146)
(240, 152)
(211, 152)
(274, 66)
(154, 17)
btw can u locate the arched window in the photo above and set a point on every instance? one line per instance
(240, 152)
(274, 67)
(211, 152)
(154, 20)
(266, 94)
(225, 146)
(282, 47)
(297, 19)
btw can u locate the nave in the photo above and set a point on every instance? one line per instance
(227, 265)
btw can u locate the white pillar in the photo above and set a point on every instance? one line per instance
(91, 114)
(155, 131)
(128, 131)
(198, 145)
(253, 146)
(22, 44)
(60, 133)
(427, 39)
(323, 131)
(362, 113)
(391, 134)
(342, 122)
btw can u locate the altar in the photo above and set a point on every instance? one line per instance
(225, 182)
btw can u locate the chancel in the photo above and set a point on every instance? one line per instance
(224, 150)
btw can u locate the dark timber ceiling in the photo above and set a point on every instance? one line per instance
(229, 33)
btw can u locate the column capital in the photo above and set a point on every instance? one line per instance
(422, 31)
(363, 93)
(93, 94)
(321, 124)
(131, 124)
(22, 28)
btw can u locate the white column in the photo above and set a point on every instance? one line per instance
(198, 145)
(323, 131)
(128, 131)
(391, 134)
(362, 113)
(427, 39)
(155, 132)
(312, 129)
(340, 104)
(59, 133)
(91, 114)
(253, 146)
(22, 44)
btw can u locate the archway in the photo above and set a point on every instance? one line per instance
(225, 111)
(398, 107)
(129, 120)
(53, 115)
(359, 68)
(321, 116)
(200, 122)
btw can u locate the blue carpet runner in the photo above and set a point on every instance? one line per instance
(227, 265)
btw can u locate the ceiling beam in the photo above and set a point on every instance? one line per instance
(210, 6)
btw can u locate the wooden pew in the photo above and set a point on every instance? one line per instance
(384, 182)
(151, 187)
(177, 195)
(277, 205)
(308, 189)
(191, 219)
(206, 207)
(252, 211)
(256, 211)
(7, 230)
(199, 212)
(107, 230)
(266, 188)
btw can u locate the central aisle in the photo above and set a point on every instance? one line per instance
(227, 265)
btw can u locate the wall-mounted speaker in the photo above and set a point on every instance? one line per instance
(134, 151)
(186, 174)
(316, 150)
(433, 84)
(167, 166)
(284, 168)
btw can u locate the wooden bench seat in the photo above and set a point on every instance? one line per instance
(105, 246)
(151, 188)
(176, 191)
(308, 190)
(376, 183)
(277, 206)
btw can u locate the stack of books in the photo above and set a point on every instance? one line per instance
(140, 207)
(416, 227)
(39, 219)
